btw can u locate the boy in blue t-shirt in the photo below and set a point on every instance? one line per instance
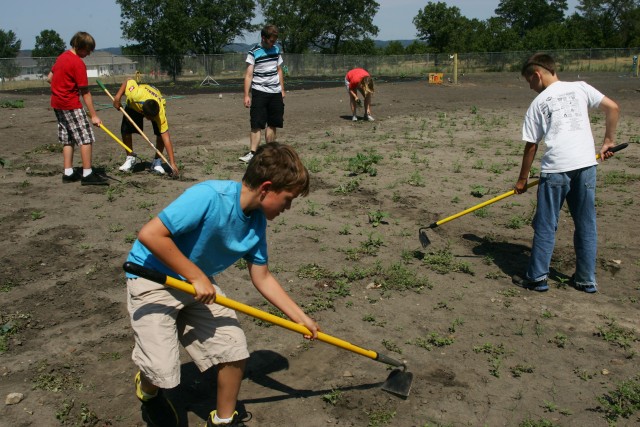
(205, 230)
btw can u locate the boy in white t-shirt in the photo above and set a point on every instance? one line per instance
(560, 116)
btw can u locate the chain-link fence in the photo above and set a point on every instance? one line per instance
(24, 72)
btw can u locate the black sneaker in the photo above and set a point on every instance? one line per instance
(93, 179)
(74, 177)
(157, 411)
(539, 286)
(235, 420)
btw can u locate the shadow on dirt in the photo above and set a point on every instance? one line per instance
(197, 390)
(510, 258)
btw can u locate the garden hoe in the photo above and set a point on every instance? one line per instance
(422, 232)
(137, 127)
(397, 383)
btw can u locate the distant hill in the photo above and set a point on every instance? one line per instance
(235, 47)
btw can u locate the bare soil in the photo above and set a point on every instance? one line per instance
(482, 351)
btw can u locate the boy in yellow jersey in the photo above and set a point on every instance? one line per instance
(144, 101)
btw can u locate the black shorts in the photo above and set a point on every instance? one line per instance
(126, 128)
(267, 109)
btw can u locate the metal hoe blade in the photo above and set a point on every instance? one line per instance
(424, 239)
(398, 383)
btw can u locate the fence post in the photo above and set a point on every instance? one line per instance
(455, 68)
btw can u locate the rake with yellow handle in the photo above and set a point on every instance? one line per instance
(175, 172)
(422, 232)
(398, 381)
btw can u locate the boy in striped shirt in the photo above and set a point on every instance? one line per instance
(264, 89)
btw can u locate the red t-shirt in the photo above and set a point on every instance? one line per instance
(69, 75)
(355, 76)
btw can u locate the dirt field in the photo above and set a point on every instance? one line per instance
(482, 351)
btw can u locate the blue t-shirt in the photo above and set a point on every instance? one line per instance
(207, 224)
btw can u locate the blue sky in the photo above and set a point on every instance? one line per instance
(27, 18)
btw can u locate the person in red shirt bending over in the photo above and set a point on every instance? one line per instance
(359, 79)
(68, 79)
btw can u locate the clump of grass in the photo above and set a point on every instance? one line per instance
(311, 209)
(517, 222)
(479, 191)
(16, 103)
(483, 212)
(616, 334)
(48, 148)
(377, 217)
(333, 397)
(380, 417)
(416, 180)
(432, 340)
(443, 261)
(35, 215)
(348, 187)
(623, 402)
(364, 163)
(519, 369)
(542, 422)
(54, 379)
(391, 346)
(399, 277)
(619, 178)
(315, 272)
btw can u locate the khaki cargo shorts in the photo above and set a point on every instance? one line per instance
(162, 318)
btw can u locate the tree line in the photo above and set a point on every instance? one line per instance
(171, 29)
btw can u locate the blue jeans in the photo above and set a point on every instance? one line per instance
(578, 188)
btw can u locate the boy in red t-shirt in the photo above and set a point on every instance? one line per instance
(68, 79)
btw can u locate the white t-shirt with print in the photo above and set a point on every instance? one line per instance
(560, 116)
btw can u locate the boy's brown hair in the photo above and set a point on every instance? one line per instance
(280, 164)
(537, 61)
(269, 31)
(82, 40)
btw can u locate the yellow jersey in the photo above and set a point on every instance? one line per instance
(137, 94)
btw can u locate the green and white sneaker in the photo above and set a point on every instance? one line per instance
(235, 420)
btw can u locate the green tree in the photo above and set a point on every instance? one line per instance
(546, 37)
(48, 46)
(499, 37)
(394, 48)
(416, 48)
(439, 26)
(171, 29)
(359, 47)
(344, 21)
(297, 24)
(9, 48)
(159, 27)
(612, 23)
(328, 25)
(525, 15)
(215, 24)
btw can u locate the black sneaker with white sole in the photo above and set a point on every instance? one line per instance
(93, 179)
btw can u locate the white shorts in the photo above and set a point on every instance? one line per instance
(162, 318)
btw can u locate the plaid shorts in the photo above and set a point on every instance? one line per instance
(163, 317)
(74, 127)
